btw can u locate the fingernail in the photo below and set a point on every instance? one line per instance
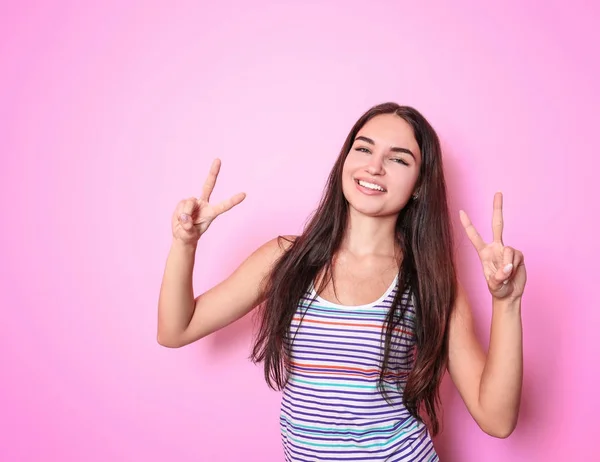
(508, 267)
(184, 217)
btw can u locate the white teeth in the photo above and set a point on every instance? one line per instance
(364, 184)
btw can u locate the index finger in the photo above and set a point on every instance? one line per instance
(211, 180)
(472, 233)
(497, 218)
(229, 203)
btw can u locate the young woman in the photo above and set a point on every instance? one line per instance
(362, 313)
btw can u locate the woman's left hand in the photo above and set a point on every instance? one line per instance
(503, 266)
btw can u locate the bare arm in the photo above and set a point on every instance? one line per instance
(183, 319)
(491, 385)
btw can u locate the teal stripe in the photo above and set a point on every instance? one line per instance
(340, 385)
(357, 313)
(328, 309)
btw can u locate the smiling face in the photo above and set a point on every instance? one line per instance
(382, 167)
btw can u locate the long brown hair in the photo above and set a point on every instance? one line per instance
(427, 271)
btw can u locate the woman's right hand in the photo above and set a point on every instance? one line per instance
(193, 216)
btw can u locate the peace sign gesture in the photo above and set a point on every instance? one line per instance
(503, 266)
(193, 216)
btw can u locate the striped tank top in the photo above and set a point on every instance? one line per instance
(331, 407)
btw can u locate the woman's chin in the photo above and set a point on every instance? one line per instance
(371, 210)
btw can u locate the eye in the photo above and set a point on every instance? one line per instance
(362, 149)
(400, 161)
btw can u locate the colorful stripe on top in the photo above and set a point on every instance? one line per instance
(332, 409)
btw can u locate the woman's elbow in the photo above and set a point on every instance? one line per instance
(168, 341)
(499, 429)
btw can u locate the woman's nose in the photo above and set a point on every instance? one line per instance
(375, 166)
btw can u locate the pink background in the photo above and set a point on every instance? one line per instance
(111, 114)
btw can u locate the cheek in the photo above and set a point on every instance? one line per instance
(346, 180)
(348, 169)
(404, 182)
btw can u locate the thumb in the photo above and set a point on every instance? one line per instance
(186, 221)
(187, 212)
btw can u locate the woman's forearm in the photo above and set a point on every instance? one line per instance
(501, 382)
(176, 299)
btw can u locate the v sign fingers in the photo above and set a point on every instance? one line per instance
(502, 265)
(194, 216)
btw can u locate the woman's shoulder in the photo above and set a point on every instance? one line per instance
(274, 248)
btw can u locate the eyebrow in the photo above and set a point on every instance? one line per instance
(393, 149)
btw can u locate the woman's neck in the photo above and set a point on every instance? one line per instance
(370, 235)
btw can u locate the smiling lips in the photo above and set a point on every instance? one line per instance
(369, 187)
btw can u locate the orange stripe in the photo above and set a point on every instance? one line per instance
(357, 369)
(348, 374)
